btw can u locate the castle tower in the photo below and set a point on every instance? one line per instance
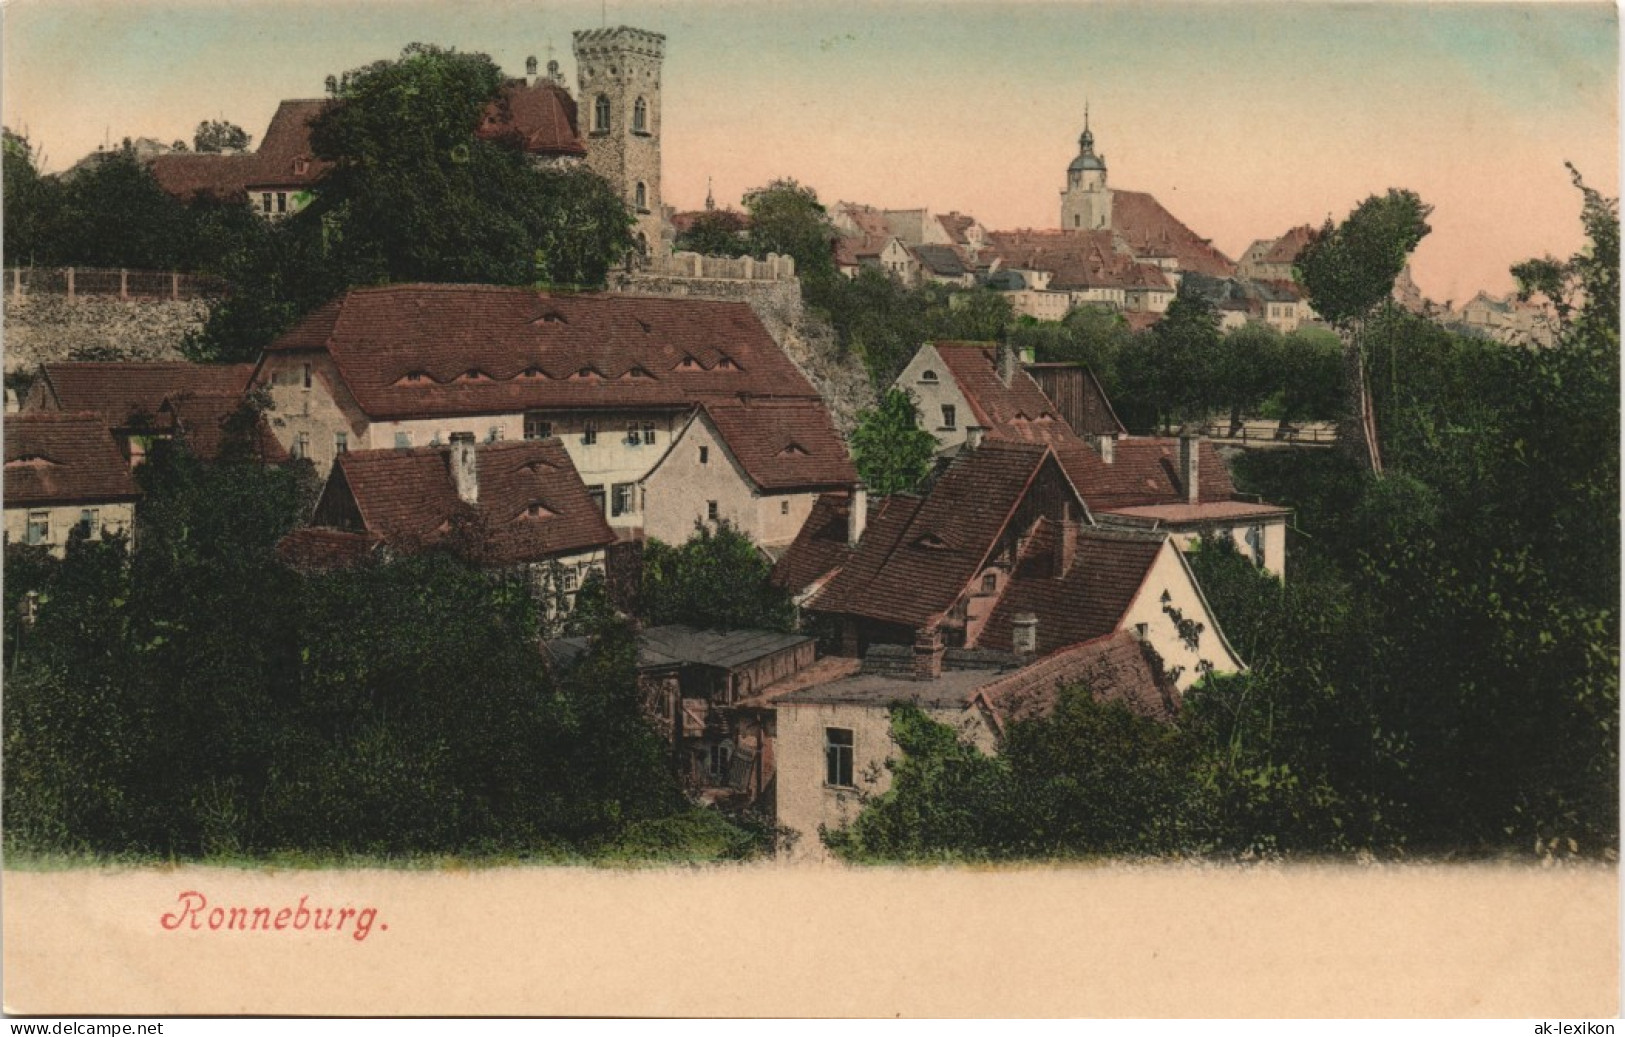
(1086, 201)
(618, 72)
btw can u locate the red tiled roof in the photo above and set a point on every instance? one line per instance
(1078, 397)
(284, 159)
(1018, 412)
(955, 225)
(1288, 245)
(201, 420)
(1143, 472)
(1077, 260)
(1151, 230)
(407, 351)
(541, 117)
(783, 444)
(120, 391)
(408, 499)
(1140, 320)
(1114, 668)
(1214, 511)
(917, 555)
(315, 548)
(1087, 602)
(54, 458)
(871, 222)
(820, 547)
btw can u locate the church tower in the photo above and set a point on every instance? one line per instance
(618, 72)
(1086, 201)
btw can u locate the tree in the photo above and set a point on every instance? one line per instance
(1349, 271)
(413, 195)
(717, 232)
(718, 578)
(1588, 282)
(217, 135)
(786, 218)
(892, 452)
(31, 203)
(114, 214)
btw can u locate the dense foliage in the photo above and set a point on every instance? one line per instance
(892, 452)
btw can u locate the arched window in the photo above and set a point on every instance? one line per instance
(600, 114)
(642, 195)
(640, 116)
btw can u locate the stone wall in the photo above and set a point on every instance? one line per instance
(48, 328)
(808, 340)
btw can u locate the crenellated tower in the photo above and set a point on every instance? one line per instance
(618, 72)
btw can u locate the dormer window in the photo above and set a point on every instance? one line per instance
(932, 542)
(538, 510)
(640, 116)
(727, 364)
(635, 373)
(552, 317)
(301, 166)
(532, 372)
(473, 374)
(793, 450)
(415, 378)
(600, 114)
(689, 364)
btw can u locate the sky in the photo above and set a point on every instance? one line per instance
(1243, 119)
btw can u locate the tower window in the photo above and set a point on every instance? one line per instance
(640, 116)
(600, 114)
(642, 197)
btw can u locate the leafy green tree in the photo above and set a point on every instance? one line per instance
(892, 452)
(217, 135)
(787, 218)
(718, 232)
(114, 214)
(718, 578)
(1349, 271)
(31, 204)
(580, 227)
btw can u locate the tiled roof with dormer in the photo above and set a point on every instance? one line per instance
(431, 350)
(1149, 230)
(1143, 472)
(283, 160)
(783, 444)
(128, 392)
(1018, 412)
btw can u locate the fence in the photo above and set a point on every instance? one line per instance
(130, 285)
(721, 268)
(1260, 432)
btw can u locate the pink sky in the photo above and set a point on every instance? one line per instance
(1242, 119)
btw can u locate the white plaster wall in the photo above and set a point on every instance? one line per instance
(931, 396)
(1169, 575)
(111, 518)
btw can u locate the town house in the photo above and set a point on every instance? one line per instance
(64, 473)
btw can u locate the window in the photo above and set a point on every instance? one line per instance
(265, 201)
(838, 757)
(88, 524)
(640, 116)
(301, 446)
(705, 455)
(948, 419)
(718, 759)
(596, 493)
(623, 499)
(39, 528)
(632, 438)
(784, 507)
(536, 428)
(929, 377)
(307, 376)
(567, 579)
(648, 434)
(589, 435)
(462, 437)
(403, 441)
(341, 442)
(493, 434)
(282, 201)
(990, 583)
(1255, 543)
(600, 114)
(711, 510)
(642, 197)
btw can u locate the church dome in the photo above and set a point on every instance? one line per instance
(1087, 161)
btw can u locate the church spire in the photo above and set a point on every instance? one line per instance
(1086, 143)
(710, 202)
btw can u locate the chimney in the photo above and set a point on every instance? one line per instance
(1007, 364)
(973, 436)
(928, 649)
(857, 514)
(1190, 465)
(1024, 634)
(465, 471)
(1107, 446)
(1066, 544)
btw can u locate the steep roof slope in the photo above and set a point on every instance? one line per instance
(783, 444)
(54, 458)
(1151, 230)
(120, 391)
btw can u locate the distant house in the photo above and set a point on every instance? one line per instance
(537, 114)
(614, 377)
(1272, 259)
(517, 506)
(965, 390)
(758, 465)
(275, 180)
(141, 402)
(1091, 266)
(64, 472)
(1001, 554)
